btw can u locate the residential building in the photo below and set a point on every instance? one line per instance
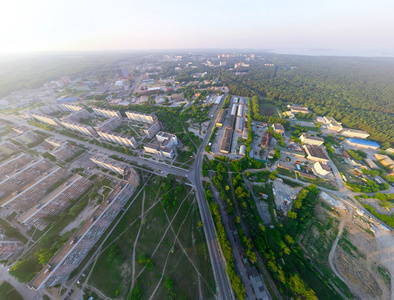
(316, 153)
(177, 97)
(109, 124)
(71, 107)
(141, 117)
(118, 138)
(77, 116)
(152, 130)
(118, 167)
(81, 128)
(159, 150)
(56, 142)
(167, 139)
(8, 247)
(278, 128)
(107, 113)
(311, 140)
(321, 168)
(362, 144)
(46, 119)
(329, 123)
(353, 133)
(385, 160)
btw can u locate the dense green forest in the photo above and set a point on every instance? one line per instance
(356, 91)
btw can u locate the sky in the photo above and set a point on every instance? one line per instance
(336, 27)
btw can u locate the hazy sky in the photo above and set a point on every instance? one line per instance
(337, 26)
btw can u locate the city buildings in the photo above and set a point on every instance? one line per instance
(46, 119)
(107, 113)
(165, 145)
(152, 130)
(109, 124)
(299, 109)
(353, 133)
(362, 144)
(118, 138)
(77, 116)
(226, 140)
(71, 107)
(278, 128)
(128, 172)
(315, 153)
(266, 140)
(8, 247)
(321, 168)
(141, 117)
(329, 123)
(311, 140)
(167, 139)
(81, 128)
(68, 258)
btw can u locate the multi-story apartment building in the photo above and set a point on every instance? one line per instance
(46, 119)
(109, 124)
(9, 247)
(81, 128)
(77, 116)
(70, 107)
(152, 130)
(141, 117)
(107, 113)
(167, 139)
(118, 138)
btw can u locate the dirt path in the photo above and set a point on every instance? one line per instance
(135, 242)
(385, 241)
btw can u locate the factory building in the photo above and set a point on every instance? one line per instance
(299, 109)
(363, 144)
(240, 111)
(353, 133)
(233, 110)
(311, 140)
(221, 118)
(315, 153)
(107, 113)
(141, 117)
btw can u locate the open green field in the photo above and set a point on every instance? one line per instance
(158, 241)
(267, 109)
(8, 292)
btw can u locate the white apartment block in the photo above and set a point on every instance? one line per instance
(109, 124)
(107, 113)
(81, 128)
(77, 116)
(159, 150)
(167, 139)
(71, 107)
(152, 130)
(46, 119)
(118, 138)
(141, 117)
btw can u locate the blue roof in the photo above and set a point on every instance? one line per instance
(363, 142)
(70, 99)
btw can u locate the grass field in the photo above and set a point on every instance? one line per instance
(267, 109)
(158, 239)
(8, 292)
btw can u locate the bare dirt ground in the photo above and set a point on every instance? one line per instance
(357, 258)
(385, 242)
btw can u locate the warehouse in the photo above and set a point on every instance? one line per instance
(363, 144)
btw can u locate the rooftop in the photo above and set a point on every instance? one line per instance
(363, 142)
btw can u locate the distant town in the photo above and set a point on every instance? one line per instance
(153, 180)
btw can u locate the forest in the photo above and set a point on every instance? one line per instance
(356, 91)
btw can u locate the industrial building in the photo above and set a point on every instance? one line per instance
(240, 111)
(152, 130)
(107, 113)
(118, 167)
(109, 124)
(329, 123)
(315, 153)
(299, 109)
(68, 258)
(234, 110)
(311, 140)
(118, 138)
(353, 133)
(321, 168)
(363, 144)
(239, 124)
(226, 140)
(371, 164)
(81, 128)
(218, 100)
(242, 150)
(266, 140)
(141, 117)
(221, 118)
(385, 160)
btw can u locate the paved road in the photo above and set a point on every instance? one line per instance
(22, 288)
(224, 290)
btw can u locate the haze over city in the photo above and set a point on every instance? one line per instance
(361, 28)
